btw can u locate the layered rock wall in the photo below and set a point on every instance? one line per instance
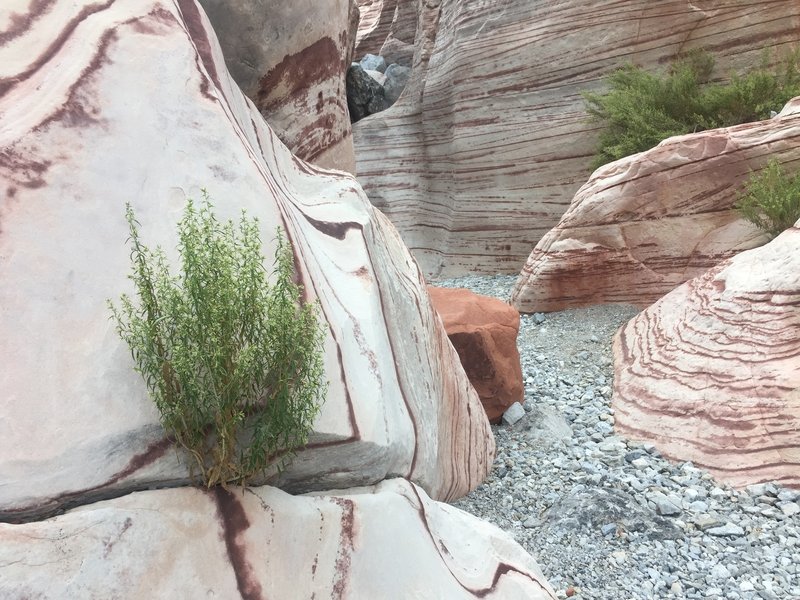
(487, 146)
(290, 58)
(646, 223)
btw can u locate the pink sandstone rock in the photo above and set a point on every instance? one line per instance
(484, 331)
(387, 541)
(290, 59)
(490, 142)
(377, 20)
(646, 223)
(711, 372)
(130, 101)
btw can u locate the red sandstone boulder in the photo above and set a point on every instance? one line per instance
(711, 372)
(484, 333)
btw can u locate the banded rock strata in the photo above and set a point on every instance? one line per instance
(387, 28)
(489, 143)
(290, 58)
(264, 543)
(130, 101)
(646, 223)
(711, 372)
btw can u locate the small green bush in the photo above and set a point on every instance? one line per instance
(771, 199)
(642, 109)
(233, 363)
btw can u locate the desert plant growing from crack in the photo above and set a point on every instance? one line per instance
(233, 363)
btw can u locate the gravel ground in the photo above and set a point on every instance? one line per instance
(607, 518)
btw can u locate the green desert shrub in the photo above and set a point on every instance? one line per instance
(642, 109)
(771, 199)
(233, 362)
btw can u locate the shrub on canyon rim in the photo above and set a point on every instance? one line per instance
(642, 109)
(771, 199)
(233, 363)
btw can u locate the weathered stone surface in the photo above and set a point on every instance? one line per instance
(373, 62)
(379, 77)
(386, 541)
(645, 224)
(365, 96)
(491, 142)
(387, 27)
(290, 59)
(396, 81)
(134, 104)
(484, 332)
(711, 372)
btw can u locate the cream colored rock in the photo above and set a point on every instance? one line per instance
(488, 146)
(134, 104)
(711, 372)
(290, 59)
(390, 541)
(646, 223)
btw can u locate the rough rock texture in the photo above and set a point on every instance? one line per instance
(646, 223)
(134, 104)
(290, 59)
(387, 28)
(386, 541)
(365, 95)
(484, 332)
(490, 142)
(711, 372)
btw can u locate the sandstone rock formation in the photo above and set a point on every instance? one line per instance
(130, 101)
(386, 541)
(290, 59)
(387, 28)
(711, 372)
(490, 142)
(646, 223)
(484, 331)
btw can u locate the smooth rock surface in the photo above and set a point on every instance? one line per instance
(646, 223)
(134, 104)
(387, 28)
(387, 541)
(483, 331)
(290, 59)
(490, 142)
(711, 372)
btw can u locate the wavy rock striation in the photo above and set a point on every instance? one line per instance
(267, 544)
(711, 372)
(103, 103)
(290, 58)
(646, 223)
(489, 143)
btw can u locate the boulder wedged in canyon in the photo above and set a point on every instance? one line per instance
(646, 223)
(290, 59)
(390, 541)
(711, 372)
(490, 141)
(134, 104)
(483, 331)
